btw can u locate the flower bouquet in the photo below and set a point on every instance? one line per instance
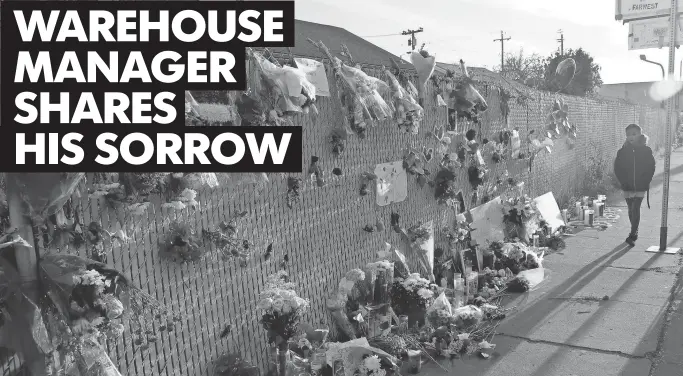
(357, 357)
(360, 99)
(446, 188)
(415, 164)
(421, 237)
(381, 280)
(411, 297)
(465, 100)
(225, 239)
(89, 301)
(338, 299)
(181, 244)
(520, 216)
(282, 310)
(407, 112)
(440, 313)
(424, 65)
(461, 234)
(291, 92)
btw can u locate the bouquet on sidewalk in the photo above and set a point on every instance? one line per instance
(411, 297)
(421, 237)
(346, 305)
(520, 216)
(282, 310)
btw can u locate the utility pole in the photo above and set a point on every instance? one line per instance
(412, 41)
(561, 40)
(502, 50)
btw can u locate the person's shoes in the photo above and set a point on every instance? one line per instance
(631, 240)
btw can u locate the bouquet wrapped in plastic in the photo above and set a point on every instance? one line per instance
(89, 301)
(424, 65)
(465, 99)
(440, 313)
(292, 92)
(407, 112)
(359, 357)
(367, 102)
(359, 95)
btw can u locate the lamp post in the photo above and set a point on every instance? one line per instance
(644, 58)
(670, 120)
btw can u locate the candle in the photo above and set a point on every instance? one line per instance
(598, 209)
(414, 361)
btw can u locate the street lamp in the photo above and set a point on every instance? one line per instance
(644, 58)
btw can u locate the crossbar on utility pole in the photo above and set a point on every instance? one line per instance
(413, 40)
(502, 50)
(670, 108)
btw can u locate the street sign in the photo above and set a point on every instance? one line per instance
(652, 33)
(630, 10)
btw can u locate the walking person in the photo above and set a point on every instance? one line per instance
(634, 167)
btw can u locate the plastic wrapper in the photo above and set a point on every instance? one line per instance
(467, 316)
(58, 271)
(97, 362)
(47, 192)
(533, 276)
(291, 82)
(425, 68)
(368, 103)
(407, 112)
(350, 354)
(440, 313)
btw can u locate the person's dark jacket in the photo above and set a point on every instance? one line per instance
(634, 166)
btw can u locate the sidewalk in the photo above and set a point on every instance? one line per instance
(568, 328)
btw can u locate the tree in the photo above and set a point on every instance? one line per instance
(586, 79)
(528, 70)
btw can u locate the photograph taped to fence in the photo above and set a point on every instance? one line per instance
(85, 71)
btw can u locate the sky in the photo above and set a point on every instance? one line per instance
(455, 29)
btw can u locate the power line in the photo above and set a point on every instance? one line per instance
(412, 41)
(502, 50)
(379, 36)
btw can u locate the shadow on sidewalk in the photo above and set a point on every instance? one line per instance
(525, 321)
(546, 367)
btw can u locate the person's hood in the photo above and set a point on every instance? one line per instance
(640, 142)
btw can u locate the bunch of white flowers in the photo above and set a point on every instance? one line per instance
(515, 251)
(371, 366)
(415, 282)
(280, 297)
(188, 197)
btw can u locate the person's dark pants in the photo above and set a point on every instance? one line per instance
(634, 213)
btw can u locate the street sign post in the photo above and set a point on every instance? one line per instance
(631, 10)
(653, 33)
(670, 118)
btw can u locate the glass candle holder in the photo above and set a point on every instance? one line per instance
(414, 361)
